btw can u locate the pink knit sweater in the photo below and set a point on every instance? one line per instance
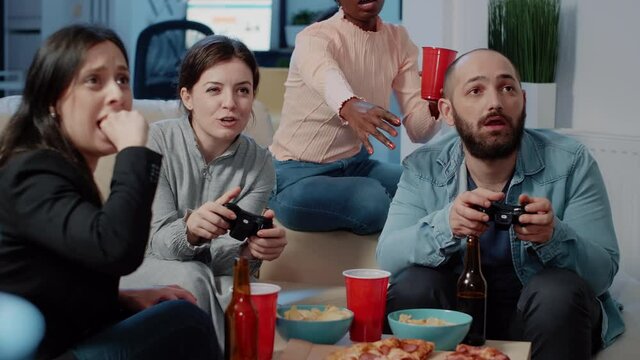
(334, 60)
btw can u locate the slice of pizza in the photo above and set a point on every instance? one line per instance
(355, 352)
(386, 349)
(468, 352)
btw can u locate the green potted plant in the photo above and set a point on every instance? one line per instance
(526, 31)
(299, 21)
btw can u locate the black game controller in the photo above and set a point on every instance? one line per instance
(246, 224)
(503, 215)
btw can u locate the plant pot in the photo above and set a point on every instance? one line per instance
(541, 105)
(290, 32)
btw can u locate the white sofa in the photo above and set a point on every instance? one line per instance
(310, 269)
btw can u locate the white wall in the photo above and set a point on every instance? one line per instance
(128, 18)
(56, 14)
(21, 33)
(598, 74)
(599, 55)
(456, 24)
(134, 16)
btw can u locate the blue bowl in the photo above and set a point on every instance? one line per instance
(446, 337)
(317, 332)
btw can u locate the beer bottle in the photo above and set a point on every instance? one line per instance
(241, 319)
(472, 293)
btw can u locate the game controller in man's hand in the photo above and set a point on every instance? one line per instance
(503, 215)
(246, 224)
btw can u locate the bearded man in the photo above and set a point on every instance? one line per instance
(548, 276)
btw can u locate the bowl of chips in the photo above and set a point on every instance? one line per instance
(445, 328)
(319, 324)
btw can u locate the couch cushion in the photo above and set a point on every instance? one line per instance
(154, 110)
(260, 128)
(320, 257)
(8, 106)
(626, 290)
(271, 90)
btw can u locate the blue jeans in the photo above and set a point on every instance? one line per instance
(352, 194)
(169, 330)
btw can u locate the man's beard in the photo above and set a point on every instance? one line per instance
(492, 146)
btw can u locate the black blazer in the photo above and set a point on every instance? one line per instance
(65, 251)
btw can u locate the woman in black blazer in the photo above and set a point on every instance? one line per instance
(63, 248)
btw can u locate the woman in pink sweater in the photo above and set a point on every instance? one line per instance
(342, 73)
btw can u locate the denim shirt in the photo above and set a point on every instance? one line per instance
(548, 165)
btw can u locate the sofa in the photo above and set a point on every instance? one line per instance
(310, 268)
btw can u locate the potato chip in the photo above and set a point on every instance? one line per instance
(405, 318)
(315, 314)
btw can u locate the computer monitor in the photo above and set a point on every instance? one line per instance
(248, 20)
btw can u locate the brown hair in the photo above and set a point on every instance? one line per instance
(52, 71)
(210, 51)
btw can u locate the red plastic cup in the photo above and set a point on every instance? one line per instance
(264, 298)
(435, 62)
(367, 298)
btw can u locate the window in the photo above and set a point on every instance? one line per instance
(251, 21)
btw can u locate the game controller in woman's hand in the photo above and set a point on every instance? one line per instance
(246, 224)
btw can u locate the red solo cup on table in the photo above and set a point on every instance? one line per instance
(367, 298)
(264, 298)
(435, 61)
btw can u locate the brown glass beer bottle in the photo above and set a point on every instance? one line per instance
(472, 293)
(241, 319)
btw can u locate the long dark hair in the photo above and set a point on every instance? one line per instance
(210, 51)
(52, 71)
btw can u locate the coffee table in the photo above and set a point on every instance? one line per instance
(301, 350)
(294, 293)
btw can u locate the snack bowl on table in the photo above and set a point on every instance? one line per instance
(328, 329)
(445, 336)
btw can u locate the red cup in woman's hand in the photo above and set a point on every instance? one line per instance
(435, 62)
